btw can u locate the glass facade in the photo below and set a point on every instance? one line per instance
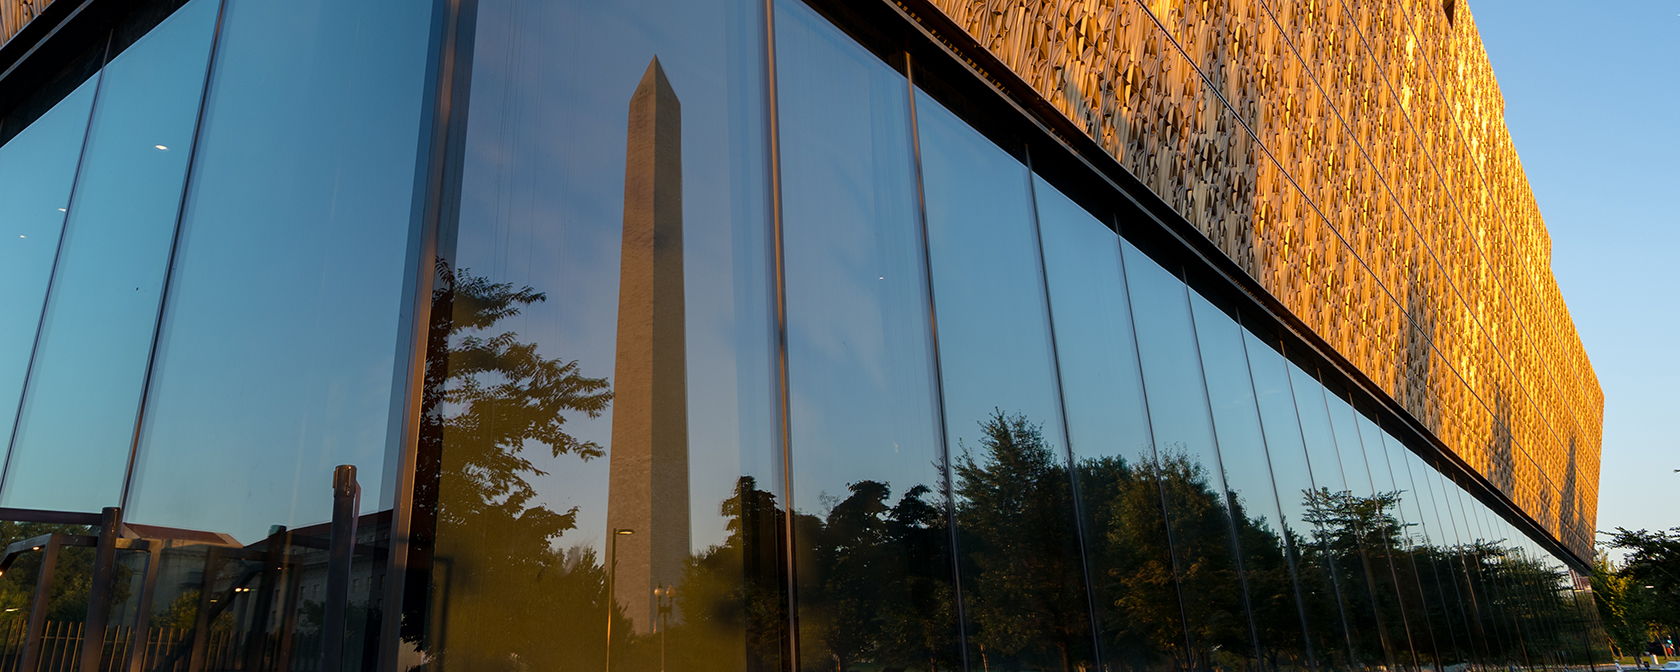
(688, 335)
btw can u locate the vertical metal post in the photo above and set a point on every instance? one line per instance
(206, 593)
(38, 611)
(140, 638)
(341, 552)
(612, 599)
(99, 593)
(288, 617)
(256, 646)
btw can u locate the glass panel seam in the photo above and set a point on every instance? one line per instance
(1335, 583)
(1289, 552)
(58, 253)
(1061, 414)
(938, 375)
(778, 293)
(1149, 422)
(169, 266)
(438, 161)
(1219, 463)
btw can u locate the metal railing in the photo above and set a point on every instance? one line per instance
(61, 645)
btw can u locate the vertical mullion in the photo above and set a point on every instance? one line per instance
(435, 205)
(1149, 419)
(1289, 552)
(58, 254)
(1078, 509)
(1329, 560)
(1219, 463)
(778, 294)
(938, 374)
(174, 250)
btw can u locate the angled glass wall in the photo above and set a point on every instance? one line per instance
(1187, 470)
(85, 384)
(37, 173)
(602, 417)
(1127, 558)
(1023, 600)
(872, 536)
(745, 349)
(1268, 557)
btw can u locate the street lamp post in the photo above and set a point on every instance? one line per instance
(662, 596)
(612, 598)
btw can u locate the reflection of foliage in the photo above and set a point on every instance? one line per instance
(498, 396)
(488, 396)
(1131, 561)
(874, 582)
(506, 598)
(1023, 590)
(1201, 547)
(182, 613)
(72, 577)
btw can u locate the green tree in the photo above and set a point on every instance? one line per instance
(1622, 606)
(72, 576)
(1023, 588)
(1653, 564)
(489, 398)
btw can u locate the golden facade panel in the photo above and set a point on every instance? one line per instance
(1353, 158)
(15, 13)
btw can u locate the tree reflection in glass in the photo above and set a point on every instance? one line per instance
(600, 358)
(872, 541)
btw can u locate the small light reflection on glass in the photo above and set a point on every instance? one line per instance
(161, 148)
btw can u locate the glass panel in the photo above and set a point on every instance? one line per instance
(1279, 622)
(77, 421)
(37, 167)
(1429, 555)
(1186, 468)
(1321, 602)
(274, 356)
(1126, 548)
(1504, 594)
(1369, 515)
(274, 361)
(601, 400)
(1476, 555)
(1483, 640)
(1335, 509)
(1402, 522)
(1022, 580)
(1527, 580)
(873, 561)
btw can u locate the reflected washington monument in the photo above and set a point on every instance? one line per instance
(648, 486)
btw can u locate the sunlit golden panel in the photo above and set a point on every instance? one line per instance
(15, 13)
(1354, 159)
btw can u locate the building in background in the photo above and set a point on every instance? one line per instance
(784, 334)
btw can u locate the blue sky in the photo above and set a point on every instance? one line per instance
(1592, 96)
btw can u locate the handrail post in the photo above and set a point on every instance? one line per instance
(99, 593)
(341, 552)
(141, 636)
(206, 597)
(38, 611)
(274, 561)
